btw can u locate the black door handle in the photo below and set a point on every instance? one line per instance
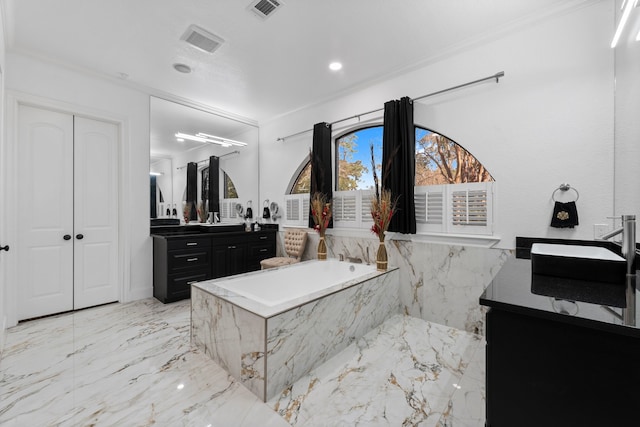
(79, 236)
(66, 237)
(4, 248)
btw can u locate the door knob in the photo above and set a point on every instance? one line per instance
(66, 237)
(79, 236)
(4, 248)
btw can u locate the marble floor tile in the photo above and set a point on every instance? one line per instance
(119, 365)
(133, 365)
(404, 373)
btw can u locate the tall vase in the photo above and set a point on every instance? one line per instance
(381, 256)
(322, 249)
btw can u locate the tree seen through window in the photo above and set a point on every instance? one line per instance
(439, 160)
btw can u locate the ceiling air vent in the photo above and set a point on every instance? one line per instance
(265, 8)
(202, 39)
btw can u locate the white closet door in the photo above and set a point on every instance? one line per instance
(45, 209)
(96, 213)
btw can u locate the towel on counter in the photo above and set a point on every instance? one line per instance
(565, 215)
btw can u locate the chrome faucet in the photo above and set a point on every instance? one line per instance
(628, 248)
(628, 243)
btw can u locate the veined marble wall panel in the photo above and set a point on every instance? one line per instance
(438, 282)
(234, 338)
(304, 337)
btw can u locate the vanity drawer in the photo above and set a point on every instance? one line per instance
(180, 284)
(196, 242)
(261, 252)
(189, 259)
(262, 238)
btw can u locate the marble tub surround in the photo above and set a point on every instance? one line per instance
(439, 282)
(405, 372)
(119, 365)
(268, 348)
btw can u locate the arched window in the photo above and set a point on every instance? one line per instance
(302, 183)
(440, 160)
(453, 190)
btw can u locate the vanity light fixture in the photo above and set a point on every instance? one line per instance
(210, 139)
(335, 66)
(627, 5)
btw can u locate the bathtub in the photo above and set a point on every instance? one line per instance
(271, 327)
(305, 280)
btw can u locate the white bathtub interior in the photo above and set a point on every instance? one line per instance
(277, 286)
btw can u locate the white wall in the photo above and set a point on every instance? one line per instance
(82, 93)
(549, 120)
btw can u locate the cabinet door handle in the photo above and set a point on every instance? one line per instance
(191, 259)
(231, 247)
(192, 244)
(263, 237)
(67, 237)
(79, 236)
(264, 250)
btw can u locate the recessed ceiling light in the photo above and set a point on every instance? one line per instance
(182, 68)
(335, 66)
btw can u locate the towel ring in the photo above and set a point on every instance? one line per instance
(565, 187)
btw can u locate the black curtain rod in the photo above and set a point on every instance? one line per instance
(496, 76)
(206, 160)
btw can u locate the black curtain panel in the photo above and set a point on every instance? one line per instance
(154, 202)
(192, 189)
(214, 184)
(321, 176)
(398, 162)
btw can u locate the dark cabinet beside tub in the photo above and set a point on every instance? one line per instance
(180, 259)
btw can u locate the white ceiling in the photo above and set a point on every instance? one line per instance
(265, 68)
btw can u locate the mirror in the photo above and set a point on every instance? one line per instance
(627, 121)
(238, 165)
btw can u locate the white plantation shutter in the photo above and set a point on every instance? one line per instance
(344, 208)
(352, 209)
(455, 208)
(224, 209)
(297, 209)
(471, 208)
(430, 208)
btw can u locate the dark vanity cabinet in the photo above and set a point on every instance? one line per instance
(242, 252)
(183, 258)
(229, 255)
(261, 245)
(178, 262)
(558, 352)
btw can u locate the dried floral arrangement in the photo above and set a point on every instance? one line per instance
(202, 214)
(383, 206)
(320, 212)
(186, 212)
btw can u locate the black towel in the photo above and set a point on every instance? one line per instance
(565, 215)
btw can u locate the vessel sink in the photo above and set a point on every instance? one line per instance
(591, 263)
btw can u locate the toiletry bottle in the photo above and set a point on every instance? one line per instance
(168, 211)
(175, 211)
